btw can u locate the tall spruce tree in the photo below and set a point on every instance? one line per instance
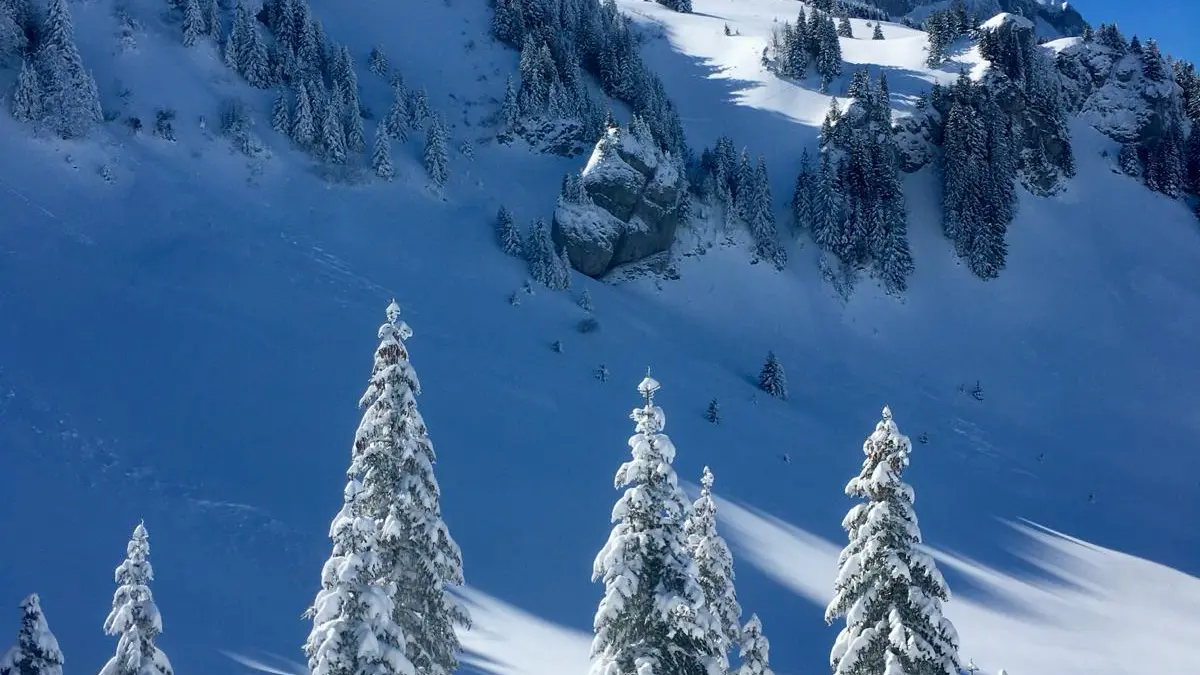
(70, 101)
(420, 563)
(744, 188)
(354, 628)
(507, 234)
(829, 205)
(436, 158)
(829, 52)
(539, 253)
(134, 617)
(27, 97)
(964, 161)
(303, 129)
(889, 591)
(333, 134)
(381, 154)
(755, 649)
(652, 618)
(772, 379)
(212, 19)
(36, 651)
(397, 120)
(843, 27)
(378, 62)
(762, 218)
(804, 193)
(193, 22)
(714, 565)
(280, 115)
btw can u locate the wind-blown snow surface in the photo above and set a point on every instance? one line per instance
(186, 345)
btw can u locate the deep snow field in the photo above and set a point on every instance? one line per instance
(186, 345)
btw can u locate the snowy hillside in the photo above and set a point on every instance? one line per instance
(188, 327)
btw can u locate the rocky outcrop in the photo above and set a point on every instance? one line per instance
(623, 207)
(1023, 83)
(1111, 92)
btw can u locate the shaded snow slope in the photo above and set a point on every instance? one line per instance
(187, 344)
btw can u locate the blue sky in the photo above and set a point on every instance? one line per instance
(1172, 22)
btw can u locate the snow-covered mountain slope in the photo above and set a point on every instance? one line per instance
(186, 344)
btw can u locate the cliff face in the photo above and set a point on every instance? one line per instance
(1026, 87)
(1112, 91)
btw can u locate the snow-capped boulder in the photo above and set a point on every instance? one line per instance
(590, 235)
(629, 206)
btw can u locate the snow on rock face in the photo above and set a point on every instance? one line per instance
(1113, 94)
(634, 194)
(1005, 19)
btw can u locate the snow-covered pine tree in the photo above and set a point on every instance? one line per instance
(134, 616)
(356, 140)
(762, 219)
(507, 233)
(71, 102)
(743, 187)
(1165, 168)
(418, 106)
(888, 589)
(212, 19)
(772, 379)
(36, 651)
(829, 206)
(354, 629)
(829, 52)
(421, 562)
(435, 157)
(27, 97)
(860, 84)
(562, 271)
(878, 33)
(508, 22)
(333, 134)
(232, 49)
(755, 649)
(713, 412)
(843, 27)
(13, 39)
(303, 128)
(585, 301)
(802, 195)
(714, 567)
(381, 154)
(397, 120)
(539, 253)
(652, 618)
(193, 22)
(250, 53)
(939, 38)
(510, 111)
(378, 62)
(281, 120)
(964, 162)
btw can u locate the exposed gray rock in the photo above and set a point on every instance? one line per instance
(629, 208)
(1112, 93)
